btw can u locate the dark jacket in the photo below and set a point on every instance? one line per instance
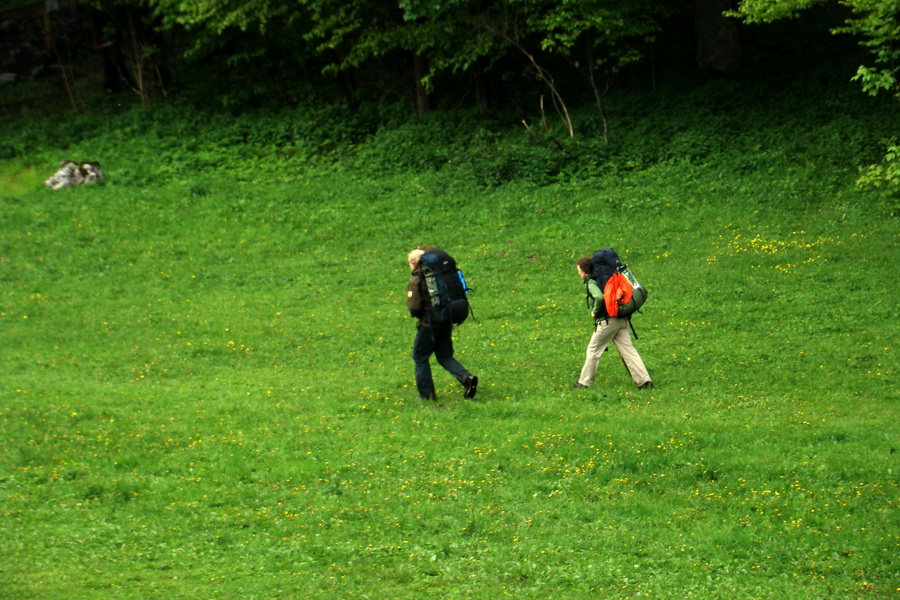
(418, 300)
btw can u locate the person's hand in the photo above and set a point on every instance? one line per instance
(593, 316)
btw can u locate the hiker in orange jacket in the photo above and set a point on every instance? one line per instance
(607, 329)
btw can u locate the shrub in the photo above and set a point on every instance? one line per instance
(884, 179)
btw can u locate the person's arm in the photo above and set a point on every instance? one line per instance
(596, 298)
(414, 297)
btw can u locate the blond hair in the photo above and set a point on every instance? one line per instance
(414, 256)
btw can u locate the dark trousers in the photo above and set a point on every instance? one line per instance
(437, 341)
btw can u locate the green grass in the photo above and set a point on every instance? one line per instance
(207, 389)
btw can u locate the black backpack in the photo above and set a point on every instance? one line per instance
(605, 262)
(447, 288)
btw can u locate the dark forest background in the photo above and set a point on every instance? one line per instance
(488, 56)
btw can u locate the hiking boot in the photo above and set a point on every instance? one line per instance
(471, 386)
(578, 384)
(646, 386)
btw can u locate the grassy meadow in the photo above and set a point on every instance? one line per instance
(207, 388)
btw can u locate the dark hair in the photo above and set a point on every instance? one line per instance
(586, 264)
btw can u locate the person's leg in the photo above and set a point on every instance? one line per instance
(443, 352)
(630, 355)
(601, 338)
(423, 347)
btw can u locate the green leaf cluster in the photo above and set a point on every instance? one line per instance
(884, 177)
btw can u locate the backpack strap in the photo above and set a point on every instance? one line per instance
(630, 324)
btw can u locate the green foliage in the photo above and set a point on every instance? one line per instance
(419, 9)
(254, 43)
(877, 23)
(609, 25)
(496, 54)
(766, 11)
(885, 178)
(875, 81)
(724, 124)
(463, 148)
(213, 18)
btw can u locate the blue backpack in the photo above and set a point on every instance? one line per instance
(447, 288)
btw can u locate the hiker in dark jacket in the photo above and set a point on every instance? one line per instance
(607, 329)
(431, 340)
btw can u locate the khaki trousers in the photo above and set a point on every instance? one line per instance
(613, 330)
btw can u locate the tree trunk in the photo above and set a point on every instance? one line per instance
(138, 64)
(718, 44)
(421, 94)
(49, 7)
(598, 96)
